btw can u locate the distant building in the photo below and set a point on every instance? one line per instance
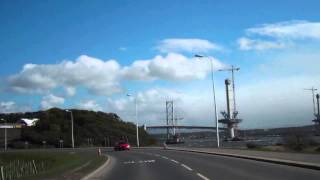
(28, 122)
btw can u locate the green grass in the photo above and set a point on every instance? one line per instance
(57, 165)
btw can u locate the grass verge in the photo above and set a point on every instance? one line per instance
(55, 164)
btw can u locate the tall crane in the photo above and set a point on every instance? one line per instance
(312, 89)
(232, 69)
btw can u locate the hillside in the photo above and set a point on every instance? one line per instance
(90, 128)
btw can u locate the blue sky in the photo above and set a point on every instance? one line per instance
(274, 43)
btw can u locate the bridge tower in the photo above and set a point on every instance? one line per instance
(230, 119)
(170, 117)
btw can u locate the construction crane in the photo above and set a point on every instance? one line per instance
(312, 89)
(232, 69)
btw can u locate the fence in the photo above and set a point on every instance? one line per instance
(17, 169)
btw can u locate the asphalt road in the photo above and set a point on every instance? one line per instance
(174, 165)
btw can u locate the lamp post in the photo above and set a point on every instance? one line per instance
(214, 98)
(72, 138)
(5, 134)
(136, 113)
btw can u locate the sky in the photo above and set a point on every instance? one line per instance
(91, 54)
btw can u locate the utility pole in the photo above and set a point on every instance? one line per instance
(72, 136)
(136, 114)
(312, 89)
(5, 134)
(317, 96)
(5, 137)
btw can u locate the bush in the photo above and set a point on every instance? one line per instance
(253, 146)
(298, 141)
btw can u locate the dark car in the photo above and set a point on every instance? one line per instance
(121, 146)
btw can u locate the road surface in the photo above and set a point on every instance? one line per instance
(167, 165)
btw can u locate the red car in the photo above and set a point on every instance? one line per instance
(121, 146)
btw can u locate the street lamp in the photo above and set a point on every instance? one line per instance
(214, 97)
(137, 125)
(72, 138)
(5, 134)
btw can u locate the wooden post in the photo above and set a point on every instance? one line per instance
(35, 167)
(2, 173)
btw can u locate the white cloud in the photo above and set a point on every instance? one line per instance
(277, 102)
(256, 44)
(104, 77)
(99, 77)
(270, 97)
(187, 45)
(173, 67)
(90, 105)
(7, 107)
(70, 91)
(279, 35)
(288, 30)
(274, 95)
(51, 101)
(123, 49)
(151, 105)
(12, 107)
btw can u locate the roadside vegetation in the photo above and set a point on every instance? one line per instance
(90, 129)
(292, 141)
(48, 164)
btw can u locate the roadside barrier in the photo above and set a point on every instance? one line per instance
(18, 169)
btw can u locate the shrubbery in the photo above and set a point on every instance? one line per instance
(298, 141)
(90, 128)
(253, 146)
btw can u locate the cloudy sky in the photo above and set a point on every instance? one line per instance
(90, 54)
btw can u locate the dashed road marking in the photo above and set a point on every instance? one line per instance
(174, 161)
(140, 162)
(129, 162)
(187, 167)
(164, 157)
(150, 161)
(202, 176)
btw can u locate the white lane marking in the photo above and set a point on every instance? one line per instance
(157, 155)
(187, 167)
(140, 162)
(174, 161)
(164, 157)
(202, 176)
(150, 161)
(129, 162)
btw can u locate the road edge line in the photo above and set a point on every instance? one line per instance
(90, 175)
(269, 160)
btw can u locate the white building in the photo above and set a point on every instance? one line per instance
(28, 122)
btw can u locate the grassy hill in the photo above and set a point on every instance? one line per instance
(90, 128)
